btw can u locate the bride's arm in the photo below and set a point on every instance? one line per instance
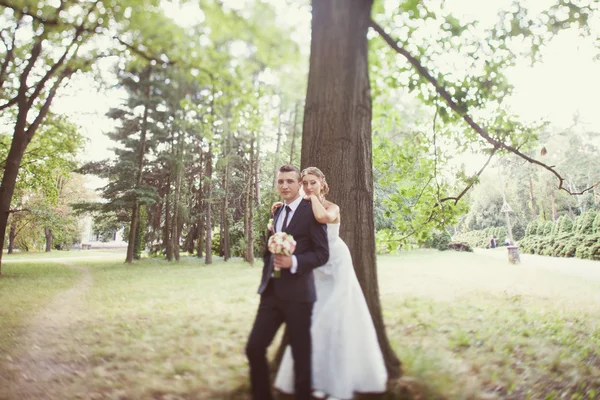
(322, 214)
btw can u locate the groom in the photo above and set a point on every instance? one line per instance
(290, 297)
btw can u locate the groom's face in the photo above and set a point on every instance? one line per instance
(288, 184)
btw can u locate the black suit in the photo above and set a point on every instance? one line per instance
(288, 299)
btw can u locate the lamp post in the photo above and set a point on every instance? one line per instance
(513, 249)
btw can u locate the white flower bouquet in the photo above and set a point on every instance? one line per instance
(281, 243)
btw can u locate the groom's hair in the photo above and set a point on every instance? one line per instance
(290, 168)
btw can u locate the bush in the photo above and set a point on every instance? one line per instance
(566, 225)
(587, 222)
(439, 240)
(596, 224)
(531, 228)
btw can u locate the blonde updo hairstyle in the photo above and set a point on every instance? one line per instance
(321, 176)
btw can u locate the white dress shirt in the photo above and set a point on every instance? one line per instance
(293, 206)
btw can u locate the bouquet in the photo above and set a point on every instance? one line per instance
(281, 243)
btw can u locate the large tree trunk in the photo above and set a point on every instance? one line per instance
(337, 136)
(135, 217)
(23, 132)
(294, 127)
(12, 235)
(257, 172)
(225, 204)
(208, 198)
(554, 206)
(276, 159)
(177, 201)
(248, 207)
(48, 234)
(9, 179)
(168, 243)
(532, 198)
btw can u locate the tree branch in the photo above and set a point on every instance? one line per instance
(9, 103)
(22, 12)
(78, 31)
(470, 185)
(44, 110)
(455, 107)
(13, 211)
(9, 54)
(142, 53)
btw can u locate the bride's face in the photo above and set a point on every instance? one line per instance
(311, 185)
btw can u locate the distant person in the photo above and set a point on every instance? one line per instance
(492, 242)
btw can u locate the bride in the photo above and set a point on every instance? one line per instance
(346, 357)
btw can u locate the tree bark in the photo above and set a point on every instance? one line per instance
(532, 198)
(176, 206)
(337, 136)
(248, 207)
(12, 235)
(294, 127)
(200, 204)
(167, 227)
(48, 234)
(225, 204)
(554, 207)
(257, 172)
(276, 158)
(208, 198)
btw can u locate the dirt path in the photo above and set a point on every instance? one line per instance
(36, 367)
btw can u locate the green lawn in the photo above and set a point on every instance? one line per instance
(466, 326)
(64, 254)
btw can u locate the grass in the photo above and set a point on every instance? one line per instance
(474, 327)
(64, 254)
(24, 289)
(466, 326)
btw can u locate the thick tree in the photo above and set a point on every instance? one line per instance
(337, 136)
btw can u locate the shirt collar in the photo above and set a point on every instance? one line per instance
(294, 204)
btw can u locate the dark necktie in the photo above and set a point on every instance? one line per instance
(285, 220)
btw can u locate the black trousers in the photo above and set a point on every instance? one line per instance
(272, 313)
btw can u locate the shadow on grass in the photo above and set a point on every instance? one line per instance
(405, 388)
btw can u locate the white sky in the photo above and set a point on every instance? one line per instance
(565, 83)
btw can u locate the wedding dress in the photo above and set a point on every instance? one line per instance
(346, 356)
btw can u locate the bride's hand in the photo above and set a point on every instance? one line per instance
(275, 206)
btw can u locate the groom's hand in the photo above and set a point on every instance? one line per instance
(283, 262)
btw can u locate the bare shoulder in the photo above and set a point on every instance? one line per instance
(330, 206)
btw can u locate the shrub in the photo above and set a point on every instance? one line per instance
(439, 240)
(531, 228)
(541, 226)
(566, 225)
(587, 222)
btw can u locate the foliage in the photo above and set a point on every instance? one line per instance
(564, 238)
(439, 240)
(406, 209)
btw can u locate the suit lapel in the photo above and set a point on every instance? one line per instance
(276, 217)
(300, 210)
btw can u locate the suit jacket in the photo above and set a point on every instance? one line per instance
(312, 251)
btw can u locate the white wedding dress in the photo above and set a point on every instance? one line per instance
(346, 356)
